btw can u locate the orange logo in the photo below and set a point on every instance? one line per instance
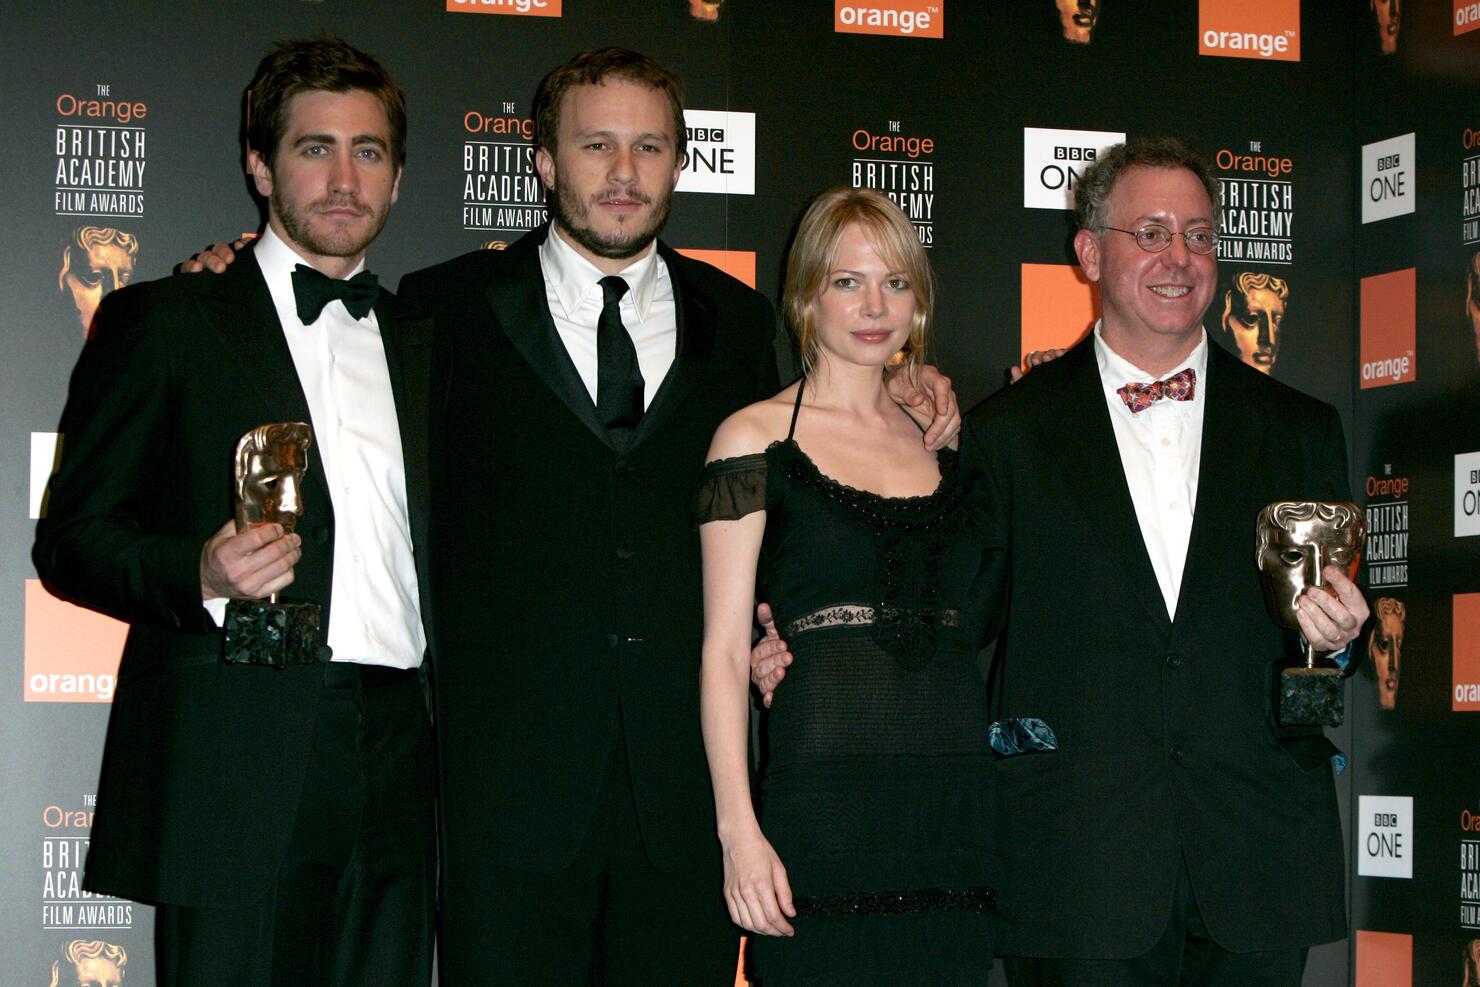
(1466, 17)
(1384, 959)
(1265, 29)
(527, 8)
(71, 653)
(900, 18)
(1059, 306)
(738, 264)
(1389, 328)
(1466, 653)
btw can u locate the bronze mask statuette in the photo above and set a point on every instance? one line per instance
(1297, 539)
(270, 463)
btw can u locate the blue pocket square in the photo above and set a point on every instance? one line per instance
(1021, 735)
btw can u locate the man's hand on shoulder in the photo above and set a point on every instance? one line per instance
(248, 566)
(1017, 372)
(213, 259)
(931, 402)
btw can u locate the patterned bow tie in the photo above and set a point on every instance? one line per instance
(312, 290)
(1179, 386)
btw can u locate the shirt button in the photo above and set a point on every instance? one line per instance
(1167, 443)
(1176, 752)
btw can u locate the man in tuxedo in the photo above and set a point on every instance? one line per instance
(1172, 832)
(280, 818)
(578, 377)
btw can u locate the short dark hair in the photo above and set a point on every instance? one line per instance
(1092, 195)
(300, 65)
(592, 68)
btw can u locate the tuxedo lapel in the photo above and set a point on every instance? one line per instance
(1090, 457)
(696, 320)
(239, 307)
(407, 344)
(522, 310)
(1232, 440)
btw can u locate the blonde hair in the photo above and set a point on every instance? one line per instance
(815, 250)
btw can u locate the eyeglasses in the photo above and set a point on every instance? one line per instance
(1154, 239)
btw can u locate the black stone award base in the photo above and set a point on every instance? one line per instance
(259, 632)
(1311, 696)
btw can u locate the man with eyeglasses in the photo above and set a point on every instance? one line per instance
(1157, 825)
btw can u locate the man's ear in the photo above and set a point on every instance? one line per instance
(1087, 249)
(261, 173)
(545, 165)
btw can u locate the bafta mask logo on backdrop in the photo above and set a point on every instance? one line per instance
(1472, 303)
(525, 8)
(899, 18)
(1077, 19)
(95, 261)
(1389, 17)
(90, 963)
(1253, 315)
(1385, 648)
(1388, 328)
(1261, 29)
(705, 10)
(494, 245)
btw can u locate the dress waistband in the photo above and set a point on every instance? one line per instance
(862, 615)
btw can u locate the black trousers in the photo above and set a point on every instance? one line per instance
(1184, 956)
(609, 919)
(354, 900)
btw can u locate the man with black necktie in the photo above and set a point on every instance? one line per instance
(578, 377)
(280, 818)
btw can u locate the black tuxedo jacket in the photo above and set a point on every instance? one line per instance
(204, 762)
(1168, 744)
(567, 585)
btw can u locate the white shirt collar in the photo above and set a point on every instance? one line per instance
(573, 276)
(1116, 370)
(277, 259)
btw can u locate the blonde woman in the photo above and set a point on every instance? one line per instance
(870, 860)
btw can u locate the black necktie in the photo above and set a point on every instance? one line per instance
(618, 377)
(312, 290)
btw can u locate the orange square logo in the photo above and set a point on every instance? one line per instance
(738, 264)
(1389, 328)
(1466, 653)
(71, 653)
(526, 8)
(1384, 959)
(899, 18)
(1262, 29)
(1466, 17)
(1060, 306)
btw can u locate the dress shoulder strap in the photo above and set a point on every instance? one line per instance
(796, 409)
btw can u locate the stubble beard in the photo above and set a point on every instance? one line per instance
(572, 216)
(334, 243)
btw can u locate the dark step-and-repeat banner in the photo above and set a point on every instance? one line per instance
(1347, 136)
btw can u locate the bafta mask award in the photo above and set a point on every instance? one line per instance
(1297, 539)
(270, 462)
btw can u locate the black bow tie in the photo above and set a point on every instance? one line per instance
(312, 290)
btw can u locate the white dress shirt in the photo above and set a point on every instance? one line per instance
(1159, 451)
(375, 618)
(572, 285)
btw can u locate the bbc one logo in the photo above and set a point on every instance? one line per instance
(1387, 178)
(1054, 160)
(899, 18)
(527, 8)
(721, 152)
(1385, 840)
(1268, 30)
(1467, 494)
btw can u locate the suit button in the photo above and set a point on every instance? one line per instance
(1174, 661)
(625, 554)
(320, 535)
(611, 642)
(1176, 752)
(622, 469)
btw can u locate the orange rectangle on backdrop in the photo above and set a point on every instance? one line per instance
(738, 264)
(1389, 328)
(1384, 959)
(1466, 653)
(71, 653)
(1466, 17)
(1060, 306)
(521, 8)
(1267, 30)
(897, 18)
